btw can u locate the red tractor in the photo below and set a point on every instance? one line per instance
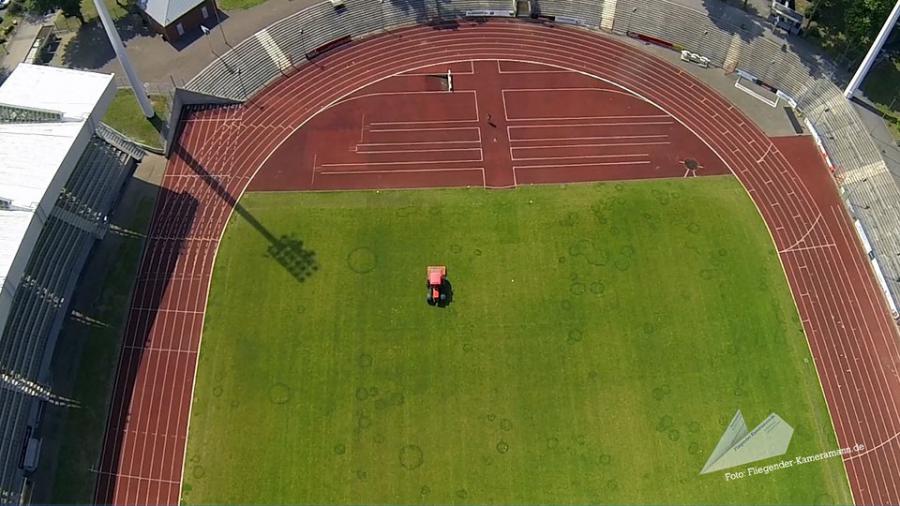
(438, 286)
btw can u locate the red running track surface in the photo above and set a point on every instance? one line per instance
(852, 337)
(505, 123)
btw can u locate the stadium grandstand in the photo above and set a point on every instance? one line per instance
(61, 172)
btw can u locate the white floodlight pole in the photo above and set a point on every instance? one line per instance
(119, 48)
(873, 52)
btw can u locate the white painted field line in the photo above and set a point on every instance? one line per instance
(421, 129)
(397, 171)
(363, 164)
(643, 123)
(441, 150)
(552, 165)
(413, 143)
(635, 155)
(550, 139)
(429, 122)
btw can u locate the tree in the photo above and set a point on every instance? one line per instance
(68, 7)
(857, 21)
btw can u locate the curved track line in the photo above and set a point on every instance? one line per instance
(851, 336)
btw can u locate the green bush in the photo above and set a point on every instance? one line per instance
(16, 8)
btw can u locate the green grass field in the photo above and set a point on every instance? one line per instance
(124, 114)
(600, 339)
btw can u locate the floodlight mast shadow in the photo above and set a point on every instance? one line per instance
(119, 48)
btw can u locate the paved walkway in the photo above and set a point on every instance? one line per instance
(19, 45)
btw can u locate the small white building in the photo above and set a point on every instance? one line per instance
(174, 18)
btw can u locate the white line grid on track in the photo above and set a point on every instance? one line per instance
(858, 382)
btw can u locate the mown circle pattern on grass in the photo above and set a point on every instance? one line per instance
(217, 391)
(339, 449)
(597, 288)
(552, 443)
(506, 424)
(455, 248)
(363, 421)
(576, 288)
(477, 252)
(361, 475)
(411, 457)
(605, 459)
(198, 471)
(674, 434)
(279, 393)
(362, 260)
(462, 493)
(502, 447)
(425, 490)
(575, 336)
(362, 393)
(694, 449)
(364, 360)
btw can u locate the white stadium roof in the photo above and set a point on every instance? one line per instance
(55, 111)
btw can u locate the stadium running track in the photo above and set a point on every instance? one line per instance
(851, 334)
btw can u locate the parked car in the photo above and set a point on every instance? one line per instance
(4, 3)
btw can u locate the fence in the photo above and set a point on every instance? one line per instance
(730, 38)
